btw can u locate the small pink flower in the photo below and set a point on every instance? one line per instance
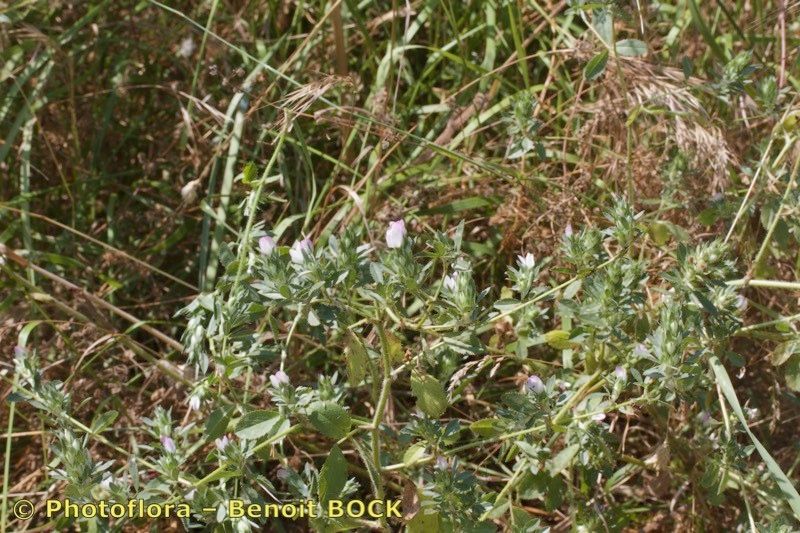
(526, 261)
(279, 378)
(599, 417)
(222, 443)
(299, 251)
(450, 282)
(396, 233)
(568, 230)
(168, 444)
(621, 373)
(266, 244)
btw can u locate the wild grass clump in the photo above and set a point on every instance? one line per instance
(517, 266)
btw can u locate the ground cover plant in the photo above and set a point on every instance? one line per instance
(513, 265)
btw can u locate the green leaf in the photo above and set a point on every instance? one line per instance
(572, 289)
(485, 427)
(430, 394)
(217, 423)
(414, 453)
(330, 419)
(464, 204)
(104, 421)
(257, 424)
(393, 348)
(221, 474)
(603, 22)
(631, 48)
(708, 216)
(249, 173)
(783, 482)
(506, 305)
(333, 475)
(784, 351)
(660, 232)
(563, 459)
(357, 360)
(15, 398)
(792, 373)
(425, 521)
(596, 66)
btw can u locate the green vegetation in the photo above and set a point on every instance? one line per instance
(524, 266)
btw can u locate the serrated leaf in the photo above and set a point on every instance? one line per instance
(330, 419)
(357, 360)
(217, 423)
(257, 424)
(596, 66)
(631, 48)
(333, 475)
(430, 395)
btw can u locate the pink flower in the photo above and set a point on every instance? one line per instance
(266, 244)
(279, 378)
(222, 443)
(299, 251)
(621, 373)
(396, 234)
(527, 260)
(168, 444)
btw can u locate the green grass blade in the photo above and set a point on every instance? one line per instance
(783, 481)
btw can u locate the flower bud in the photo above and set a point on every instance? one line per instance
(534, 384)
(168, 444)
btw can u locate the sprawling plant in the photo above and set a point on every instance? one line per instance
(401, 337)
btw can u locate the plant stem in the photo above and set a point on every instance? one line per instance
(380, 407)
(252, 208)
